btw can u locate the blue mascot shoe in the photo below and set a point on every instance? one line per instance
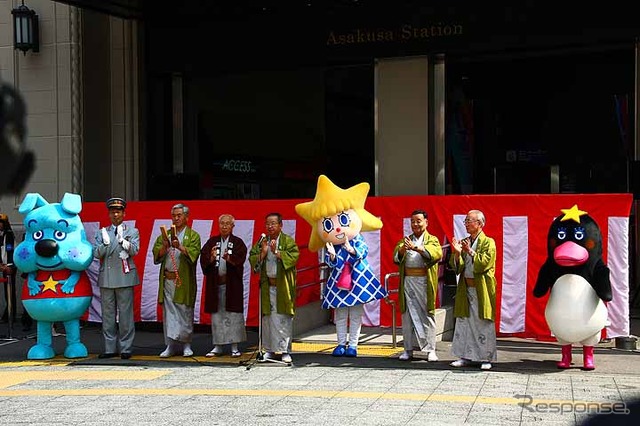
(339, 350)
(351, 352)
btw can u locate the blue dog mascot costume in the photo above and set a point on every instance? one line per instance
(55, 254)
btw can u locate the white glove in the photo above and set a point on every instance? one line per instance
(349, 247)
(125, 244)
(105, 237)
(331, 250)
(119, 233)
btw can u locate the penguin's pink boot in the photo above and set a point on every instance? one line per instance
(587, 355)
(566, 357)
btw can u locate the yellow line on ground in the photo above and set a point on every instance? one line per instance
(34, 363)
(17, 377)
(277, 393)
(13, 378)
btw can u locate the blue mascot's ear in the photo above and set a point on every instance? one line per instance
(32, 201)
(71, 203)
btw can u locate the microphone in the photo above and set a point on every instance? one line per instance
(262, 237)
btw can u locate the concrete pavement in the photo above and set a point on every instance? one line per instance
(524, 386)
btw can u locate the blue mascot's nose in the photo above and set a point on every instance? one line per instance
(46, 248)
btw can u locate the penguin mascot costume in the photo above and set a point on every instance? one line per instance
(579, 282)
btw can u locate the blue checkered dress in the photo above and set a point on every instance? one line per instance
(366, 286)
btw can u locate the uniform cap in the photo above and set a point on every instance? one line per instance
(116, 203)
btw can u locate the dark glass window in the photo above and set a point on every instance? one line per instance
(509, 121)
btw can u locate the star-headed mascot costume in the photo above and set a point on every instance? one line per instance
(579, 282)
(55, 254)
(336, 217)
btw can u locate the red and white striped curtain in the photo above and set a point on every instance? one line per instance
(518, 223)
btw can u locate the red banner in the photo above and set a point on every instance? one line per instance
(518, 223)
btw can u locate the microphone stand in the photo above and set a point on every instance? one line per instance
(260, 351)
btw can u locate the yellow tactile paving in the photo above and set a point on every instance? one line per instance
(366, 350)
(297, 347)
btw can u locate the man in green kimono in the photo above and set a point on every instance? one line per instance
(474, 258)
(177, 252)
(417, 256)
(274, 257)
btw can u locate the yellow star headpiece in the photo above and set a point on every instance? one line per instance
(330, 200)
(573, 213)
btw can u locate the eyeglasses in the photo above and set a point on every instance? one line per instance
(466, 221)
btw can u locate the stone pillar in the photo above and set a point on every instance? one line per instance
(402, 129)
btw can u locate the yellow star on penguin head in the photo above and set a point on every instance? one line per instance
(573, 213)
(331, 200)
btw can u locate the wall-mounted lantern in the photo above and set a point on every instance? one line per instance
(26, 34)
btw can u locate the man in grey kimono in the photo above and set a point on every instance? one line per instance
(115, 245)
(418, 255)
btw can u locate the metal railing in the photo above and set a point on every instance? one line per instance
(394, 336)
(321, 281)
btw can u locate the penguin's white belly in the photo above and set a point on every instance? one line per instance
(574, 311)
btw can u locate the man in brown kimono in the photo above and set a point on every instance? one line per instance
(222, 260)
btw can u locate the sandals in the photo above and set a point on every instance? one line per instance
(214, 352)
